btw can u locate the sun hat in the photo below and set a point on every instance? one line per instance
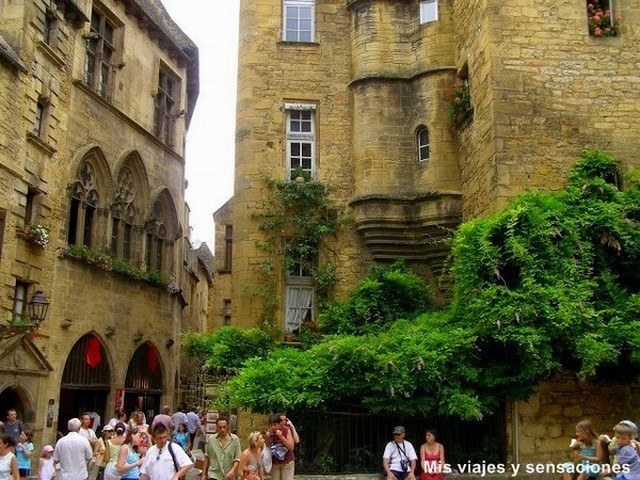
(47, 449)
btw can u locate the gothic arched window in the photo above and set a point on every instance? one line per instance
(83, 206)
(123, 213)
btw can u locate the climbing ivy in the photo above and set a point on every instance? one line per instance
(295, 218)
(548, 283)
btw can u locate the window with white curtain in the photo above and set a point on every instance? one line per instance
(299, 307)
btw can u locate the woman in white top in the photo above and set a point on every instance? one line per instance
(8, 461)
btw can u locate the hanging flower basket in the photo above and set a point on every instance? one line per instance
(35, 234)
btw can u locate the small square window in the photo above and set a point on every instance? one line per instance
(428, 11)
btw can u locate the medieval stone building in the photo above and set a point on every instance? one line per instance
(355, 93)
(95, 103)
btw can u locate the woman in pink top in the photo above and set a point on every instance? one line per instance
(432, 457)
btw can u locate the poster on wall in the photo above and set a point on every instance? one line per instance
(118, 402)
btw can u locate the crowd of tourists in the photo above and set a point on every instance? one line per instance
(130, 449)
(592, 456)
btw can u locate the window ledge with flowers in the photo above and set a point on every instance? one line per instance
(35, 234)
(459, 103)
(103, 261)
(600, 21)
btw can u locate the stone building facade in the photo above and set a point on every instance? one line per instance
(355, 93)
(95, 103)
(221, 306)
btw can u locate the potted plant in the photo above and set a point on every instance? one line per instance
(599, 19)
(459, 102)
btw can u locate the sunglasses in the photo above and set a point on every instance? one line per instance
(159, 453)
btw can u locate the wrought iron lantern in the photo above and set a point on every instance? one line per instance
(37, 310)
(38, 307)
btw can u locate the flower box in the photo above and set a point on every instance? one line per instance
(35, 234)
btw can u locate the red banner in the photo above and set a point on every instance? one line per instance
(94, 352)
(118, 403)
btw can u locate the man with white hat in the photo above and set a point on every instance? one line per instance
(399, 457)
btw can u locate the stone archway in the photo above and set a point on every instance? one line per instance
(13, 398)
(144, 384)
(86, 380)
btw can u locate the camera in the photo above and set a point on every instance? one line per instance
(404, 464)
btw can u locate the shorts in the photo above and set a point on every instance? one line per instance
(24, 472)
(400, 475)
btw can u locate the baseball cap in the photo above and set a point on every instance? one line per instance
(398, 429)
(107, 428)
(47, 448)
(631, 425)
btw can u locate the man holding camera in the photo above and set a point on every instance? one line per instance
(399, 457)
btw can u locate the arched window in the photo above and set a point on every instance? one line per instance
(83, 207)
(422, 138)
(122, 220)
(156, 238)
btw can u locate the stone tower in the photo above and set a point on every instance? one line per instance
(368, 79)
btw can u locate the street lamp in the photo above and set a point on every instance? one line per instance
(37, 308)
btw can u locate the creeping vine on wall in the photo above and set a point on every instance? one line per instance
(295, 219)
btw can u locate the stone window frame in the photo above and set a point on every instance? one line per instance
(157, 238)
(85, 204)
(42, 117)
(423, 142)
(428, 11)
(298, 6)
(228, 248)
(50, 27)
(166, 102)
(97, 46)
(226, 311)
(20, 297)
(295, 155)
(30, 204)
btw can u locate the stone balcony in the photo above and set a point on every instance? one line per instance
(416, 228)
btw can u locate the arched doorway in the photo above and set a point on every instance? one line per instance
(85, 381)
(10, 398)
(143, 385)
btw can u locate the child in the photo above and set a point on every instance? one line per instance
(181, 437)
(626, 454)
(46, 469)
(250, 473)
(587, 451)
(24, 450)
